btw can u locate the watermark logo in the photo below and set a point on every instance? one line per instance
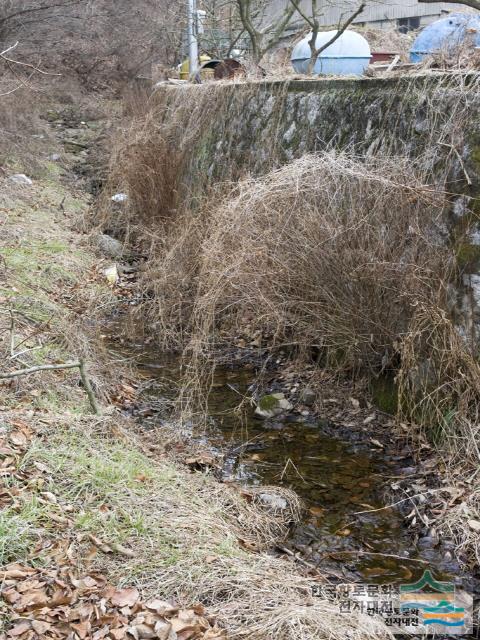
(441, 607)
(428, 606)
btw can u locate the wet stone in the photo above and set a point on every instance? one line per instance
(308, 397)
(273, 501)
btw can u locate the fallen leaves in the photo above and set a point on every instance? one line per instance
(125, 597)
(58, 604)
(13, 445)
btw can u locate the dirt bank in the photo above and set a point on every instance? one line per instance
(96, 519)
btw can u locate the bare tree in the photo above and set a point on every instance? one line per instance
(313, 20)
(102, 42)
(223, 28)
(264, 34)
(12, 10)
(473, 4)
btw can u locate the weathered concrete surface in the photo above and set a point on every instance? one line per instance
(242, 127)
(229, 130)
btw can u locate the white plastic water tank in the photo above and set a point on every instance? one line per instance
(446, 34)
(349, 55)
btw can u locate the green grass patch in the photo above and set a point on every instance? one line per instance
(19, 528)
(108, 488)
(107, 484)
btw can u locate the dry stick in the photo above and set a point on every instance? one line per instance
(467, 177)
(394, 504)
(80, 364)
(372, 553)
(298, 558)
(88, 387)
(12, 333)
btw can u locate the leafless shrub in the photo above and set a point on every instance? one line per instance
(103, 44)
(439, 384)
(329, 252)
(20, 106)
(147, 163)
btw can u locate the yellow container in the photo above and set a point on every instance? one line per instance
(185, 69)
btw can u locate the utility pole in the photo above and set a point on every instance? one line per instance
(192, 37)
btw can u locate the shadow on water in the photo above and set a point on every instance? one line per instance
(347, 529)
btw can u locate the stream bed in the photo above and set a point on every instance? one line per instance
(348, 531)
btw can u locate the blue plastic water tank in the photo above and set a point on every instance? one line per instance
(348, 55)
(446, 33)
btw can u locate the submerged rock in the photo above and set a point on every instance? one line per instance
(272, 405)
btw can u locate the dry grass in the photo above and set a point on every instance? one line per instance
(328, 252)
(343, 255)
(439, 383)
(20, 127)
(48, 282)
(439, 392)
(191, 535)
(461, 523)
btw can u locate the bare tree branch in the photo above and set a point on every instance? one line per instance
(14, 46)
(42, 367)
(46, 7)
(314, 24)
(341, 29)
(79, 364)
(25, 64)
(263, 38)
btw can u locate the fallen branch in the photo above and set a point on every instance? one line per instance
(24, 64)
(11, 48)
(373, 553)
(88, 388)
(80, 364)
(299, 559)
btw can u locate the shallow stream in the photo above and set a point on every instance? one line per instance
(347, 530)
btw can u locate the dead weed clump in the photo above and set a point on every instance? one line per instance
(462, 523)
(439, 384)
(328, 252)
(148, 163)
(439, 391)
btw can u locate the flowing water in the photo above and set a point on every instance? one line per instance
(346, 530)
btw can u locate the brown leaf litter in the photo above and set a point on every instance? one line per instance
(60, 603)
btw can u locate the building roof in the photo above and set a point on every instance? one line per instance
(376, 10)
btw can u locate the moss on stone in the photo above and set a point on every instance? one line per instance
(468, 256)
(384, 394)
(268, 403)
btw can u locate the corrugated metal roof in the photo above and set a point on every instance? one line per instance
(376, 9)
